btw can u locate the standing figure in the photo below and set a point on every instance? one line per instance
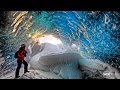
(20, 55)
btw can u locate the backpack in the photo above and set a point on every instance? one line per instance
(16, 55)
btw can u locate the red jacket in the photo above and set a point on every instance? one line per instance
(21, 54)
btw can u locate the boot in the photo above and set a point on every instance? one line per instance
(26, 71)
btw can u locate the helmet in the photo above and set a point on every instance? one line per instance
(22, 45)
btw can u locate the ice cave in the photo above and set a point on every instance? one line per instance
(61, 44)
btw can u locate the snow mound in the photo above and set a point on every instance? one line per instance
(65, 64)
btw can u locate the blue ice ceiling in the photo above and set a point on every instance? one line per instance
(98, 32)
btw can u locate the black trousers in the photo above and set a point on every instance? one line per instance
(19, 66)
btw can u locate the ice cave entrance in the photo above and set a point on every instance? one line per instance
(49, 39)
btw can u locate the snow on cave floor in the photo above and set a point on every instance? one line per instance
(33, 74)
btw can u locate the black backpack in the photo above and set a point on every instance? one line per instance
(16, 54)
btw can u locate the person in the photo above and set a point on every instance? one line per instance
(20, 55)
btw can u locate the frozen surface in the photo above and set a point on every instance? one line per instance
(56, 63)
(66, 63)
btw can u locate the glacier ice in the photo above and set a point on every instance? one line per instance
(65, 63)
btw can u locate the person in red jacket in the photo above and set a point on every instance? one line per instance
(20, 55)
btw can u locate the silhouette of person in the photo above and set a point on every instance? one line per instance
(20, 55)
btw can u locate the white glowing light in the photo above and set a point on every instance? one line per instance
(29, 35)
(49, 39)
(74, 45)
